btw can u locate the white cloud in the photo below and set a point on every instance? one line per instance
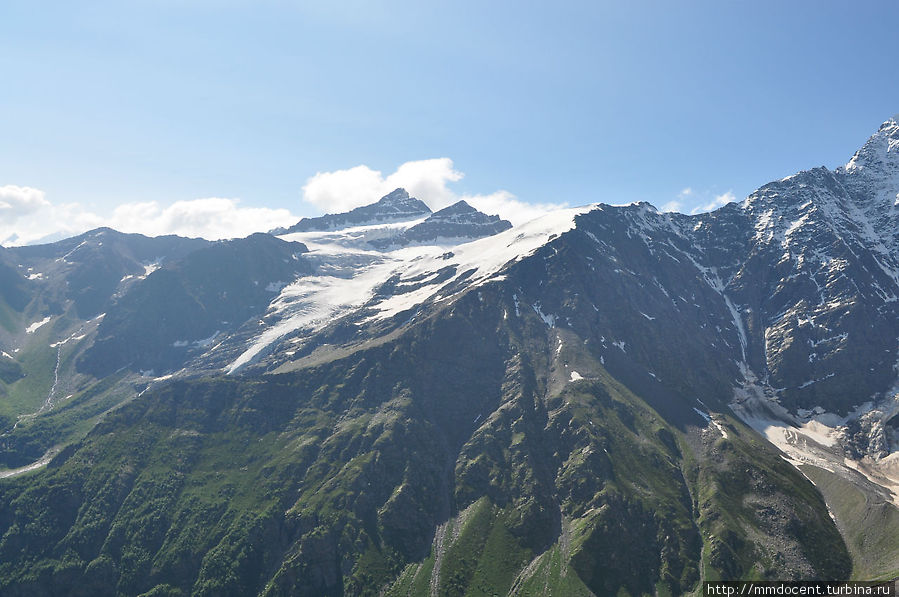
(16, 202)
(718, 201)
(27, 217)
(673, 205)
(687, 198)
(684, 197)
(428, 180)
(505, 204)
(211, 218)
(47, 223)
(342, 190)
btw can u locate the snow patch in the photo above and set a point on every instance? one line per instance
(65, 258)
(815, 437)
(806, 384)
(549, 320)
(313, 302)
(481, 260)
(720, 428)
(205, 342)
(403, 302)
(73, 338)
(712, 421)
(36, 325)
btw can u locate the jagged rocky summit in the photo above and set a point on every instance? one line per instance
(396, 206)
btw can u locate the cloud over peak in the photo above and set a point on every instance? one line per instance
(342, 190)
(429, 180)
(687, 196)
(715, 203)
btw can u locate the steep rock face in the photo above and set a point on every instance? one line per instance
(458, 222)
(396, 206)
(871, 177)
(827, 300)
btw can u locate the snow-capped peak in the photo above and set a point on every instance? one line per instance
(880, 152)
(396, 206)
(399, 201)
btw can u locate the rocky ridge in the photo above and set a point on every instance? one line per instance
(396, 206)
(455, 224)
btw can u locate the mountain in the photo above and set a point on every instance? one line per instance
(186, 305)
(605, 400)
(93, 265)
(457, 223)
(396, 206)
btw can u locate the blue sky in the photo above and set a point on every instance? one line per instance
(149, 105)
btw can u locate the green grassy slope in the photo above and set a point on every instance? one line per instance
(407, 467)
(869, 523)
